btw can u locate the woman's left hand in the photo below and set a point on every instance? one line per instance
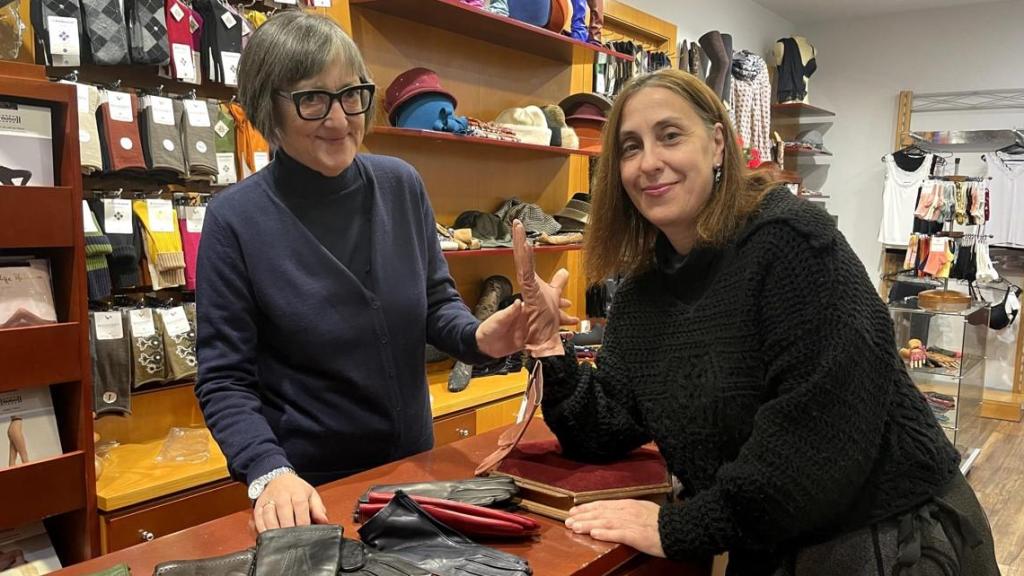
(630, 522)
(503, 332)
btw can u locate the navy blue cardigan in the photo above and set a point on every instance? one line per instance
(299, 365)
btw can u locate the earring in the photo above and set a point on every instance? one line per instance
(718, 174)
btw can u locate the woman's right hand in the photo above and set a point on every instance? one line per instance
(288, 501)
(542, 302)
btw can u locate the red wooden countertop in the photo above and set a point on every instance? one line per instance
(556, 551)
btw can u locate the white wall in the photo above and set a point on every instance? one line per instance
(862, 66)
(752, 27)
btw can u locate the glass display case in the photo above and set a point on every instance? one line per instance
(945, 356)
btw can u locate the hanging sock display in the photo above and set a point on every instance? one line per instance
(106, 32)
(112, 364)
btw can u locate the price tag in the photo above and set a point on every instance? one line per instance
(938, 244)
(175, 321)
(142, 323)
(184, 65)
(162, 110)
(108, 326)
(117, 216)
(221, 128)
(192, 24)
(120, 106)
(63, 32)
(260, 160)
(83, 98)
(87, 219)
(201, 147)
(226, 168)
(177, 12)
(228, 20)
(198, 114)
(322, 3)
(230, 61)
(194, 216)
(161, 215)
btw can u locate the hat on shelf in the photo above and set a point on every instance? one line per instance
(423, 111)
(488, 228)
(576, 214)
(528, 123)
(587, 111)
(533, 217)
(409, 84)
(561, 134)
(811, 139)
(560, 14)
(536, 12)
(572, 102)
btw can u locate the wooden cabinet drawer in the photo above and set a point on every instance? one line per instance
(150, 520)
(497, 414)
(452, 428)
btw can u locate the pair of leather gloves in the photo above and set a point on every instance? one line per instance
(400, 540)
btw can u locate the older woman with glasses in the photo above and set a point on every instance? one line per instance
(320, 280)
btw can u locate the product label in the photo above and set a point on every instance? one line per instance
(161, 215)
(142, 323)
(109, 326)
(197, 112)
(226, 168)
(117, 216)
(938, 244)
(87, 221)
(184, 65)
(175, 321)
(177, 12)
(228, 20)
(220, 128)
(162, 110)
(194, 217)
(120, 106)
(64, 42)
(230, 61)
(260, 160)
(126, 143)
(83, 98)
(322, 3)
(201, 147)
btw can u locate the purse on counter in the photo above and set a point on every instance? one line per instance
(551, 484)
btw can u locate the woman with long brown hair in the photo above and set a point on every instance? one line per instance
(747, 342)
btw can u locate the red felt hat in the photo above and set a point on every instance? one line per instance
(410, 83)
(587, 111)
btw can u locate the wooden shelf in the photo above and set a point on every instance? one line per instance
(131, 475)
(36, 217)
(38, 490)
(799, 111)
(391, 131)
(40, 355)
(454, 16)
(539, 249)
(480, 391)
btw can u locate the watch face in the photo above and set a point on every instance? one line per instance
(255, 490)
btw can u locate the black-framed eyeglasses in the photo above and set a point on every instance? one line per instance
(316, 104)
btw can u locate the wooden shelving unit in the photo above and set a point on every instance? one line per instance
(799, 111)
(454, 16)
(798, 151)
(381, 132)
(47, 222)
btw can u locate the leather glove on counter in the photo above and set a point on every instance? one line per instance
(470, 520)
(234, 564)
(477, 491)
(404, 529)
(359, 560)
(308, 550)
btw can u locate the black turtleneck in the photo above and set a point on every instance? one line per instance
(686, 276)
(336, 210)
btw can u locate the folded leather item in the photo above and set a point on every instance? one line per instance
(468, 519)
(361, 560)
(477, 491)
(234, 564)
(404, 529)
(511, 436)
(308, 550)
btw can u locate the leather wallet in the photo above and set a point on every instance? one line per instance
(308, 550)
(466, 518)
(234, 564)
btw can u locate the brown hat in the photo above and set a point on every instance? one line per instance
(560, 13)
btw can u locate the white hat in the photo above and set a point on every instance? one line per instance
(528, 123)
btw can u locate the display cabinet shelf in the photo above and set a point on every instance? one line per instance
(381, 132)
(799, 111)
(39, 355)
(36, 217)
(39, 490)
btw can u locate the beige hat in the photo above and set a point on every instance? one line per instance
(528, 123)
(566, 136)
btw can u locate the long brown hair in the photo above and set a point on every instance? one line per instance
(619, 240)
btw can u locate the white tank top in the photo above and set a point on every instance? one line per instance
(1006, 206)
(899, 199)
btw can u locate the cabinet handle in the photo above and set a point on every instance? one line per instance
(462, 432)
(146, 535)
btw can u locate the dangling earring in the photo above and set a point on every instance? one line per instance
(718, 174)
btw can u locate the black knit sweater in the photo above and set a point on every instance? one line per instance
(775, 395)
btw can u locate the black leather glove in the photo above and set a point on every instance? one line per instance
(478, 491)
(358, 559)
(404, 529)
(234, 564)
(308, 550)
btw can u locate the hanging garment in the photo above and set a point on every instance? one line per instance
(224, 128)
(197, 138)
(162, 242)
(159, 133)
(179, 37)
(253, 151)
(1005, 186)
(147, 347)
(121, 144)
(147, 31)
(112, 363)
(106, 31)
(899, 197)
(751, 99)
(792, 71)
(90, 155)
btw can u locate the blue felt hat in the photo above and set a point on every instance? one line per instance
(422, 111)
(536, 12)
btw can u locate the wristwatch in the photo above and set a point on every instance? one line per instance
(259, 484)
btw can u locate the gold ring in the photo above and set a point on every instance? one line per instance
(269, 503)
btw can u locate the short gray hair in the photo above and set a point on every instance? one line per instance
(290, 47)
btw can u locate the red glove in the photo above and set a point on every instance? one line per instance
(466, 518)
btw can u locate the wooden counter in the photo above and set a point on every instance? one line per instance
(555, 552)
